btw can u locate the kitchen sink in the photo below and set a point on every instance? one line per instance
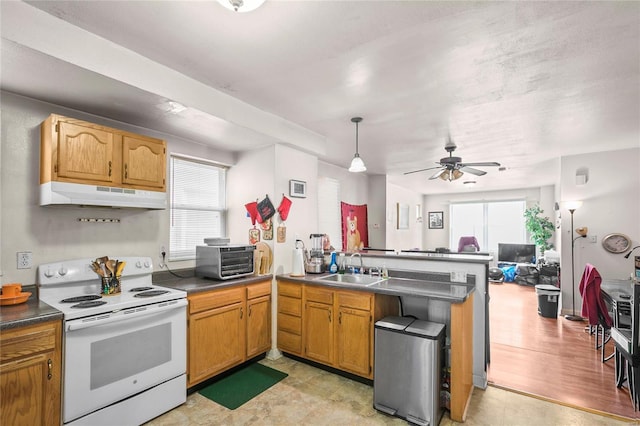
(351, 279)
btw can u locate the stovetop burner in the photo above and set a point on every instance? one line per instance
(151, 293)
(141, 288)
(89, 304)
(81, 298)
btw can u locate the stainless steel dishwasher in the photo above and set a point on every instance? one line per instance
(407, 369)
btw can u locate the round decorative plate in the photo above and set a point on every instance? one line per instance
(616, 243)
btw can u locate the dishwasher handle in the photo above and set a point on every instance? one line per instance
(126, 314)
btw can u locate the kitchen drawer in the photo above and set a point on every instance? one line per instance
(290, 323)
(318, 294)
(355, 300)
(290, 289)
(215, 299)
(289, 342)
(289, 305)
(258, 290)
(22, 342)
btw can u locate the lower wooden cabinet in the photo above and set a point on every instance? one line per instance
(227, 327)
(334, 327)
(30, 374)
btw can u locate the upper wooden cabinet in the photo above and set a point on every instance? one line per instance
(77, 151)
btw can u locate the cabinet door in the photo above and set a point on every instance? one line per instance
(216, 341)
(258, 325)
(30, 370)
(143, 163)
(318, 332)
(85, 154)
(354, 341)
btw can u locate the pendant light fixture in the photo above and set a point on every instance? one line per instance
(357, 165)
(241, 5)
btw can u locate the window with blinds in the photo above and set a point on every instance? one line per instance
(198, 205)
(329, 221)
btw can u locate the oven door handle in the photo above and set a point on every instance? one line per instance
(126, 315)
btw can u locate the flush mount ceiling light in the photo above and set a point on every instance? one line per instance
(171, 107)
(357, 165)
(241, 5)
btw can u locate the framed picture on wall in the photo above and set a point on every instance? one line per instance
(436, 220)
(298, 188)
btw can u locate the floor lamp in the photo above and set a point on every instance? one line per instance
(573, 317)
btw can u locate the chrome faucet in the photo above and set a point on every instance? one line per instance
(351, 263)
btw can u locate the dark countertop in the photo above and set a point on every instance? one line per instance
(397, 286)
(191, 284)
(31, 312)
(425, 255)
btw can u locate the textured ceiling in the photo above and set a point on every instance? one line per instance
(521, 83)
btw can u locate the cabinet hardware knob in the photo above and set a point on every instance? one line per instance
(50, 369)
(340, 318)
(126, 170)
(240, 313)
(109, 168)
(329, 315)
(249, 310)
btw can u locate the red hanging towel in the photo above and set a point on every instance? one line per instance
(252, 208)
(284, 207)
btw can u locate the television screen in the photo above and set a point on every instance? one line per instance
(516, 253)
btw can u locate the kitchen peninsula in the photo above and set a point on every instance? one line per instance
(312, 309)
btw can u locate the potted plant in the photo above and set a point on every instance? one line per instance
(540, 227)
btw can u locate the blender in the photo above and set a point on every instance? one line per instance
(315, 261)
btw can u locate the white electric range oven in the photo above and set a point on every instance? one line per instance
(124, 359)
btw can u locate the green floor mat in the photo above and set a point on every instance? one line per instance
(241, 386)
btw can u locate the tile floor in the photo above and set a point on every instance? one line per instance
(311, 396)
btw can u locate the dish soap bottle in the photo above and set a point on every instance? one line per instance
(333, 267)
(385, 271)
(342, 264)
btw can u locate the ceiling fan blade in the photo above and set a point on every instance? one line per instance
(438, 173)
(422, 170)
(473, 171)
(486, 164)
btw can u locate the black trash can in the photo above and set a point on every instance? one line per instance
(547, 300)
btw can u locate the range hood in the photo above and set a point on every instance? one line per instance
(64, 193)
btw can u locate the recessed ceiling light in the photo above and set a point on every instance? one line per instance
(171, 107)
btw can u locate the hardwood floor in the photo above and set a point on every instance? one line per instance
(550, 358)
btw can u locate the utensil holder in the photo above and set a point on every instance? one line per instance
(110, 286)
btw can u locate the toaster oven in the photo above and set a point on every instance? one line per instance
(224, 262)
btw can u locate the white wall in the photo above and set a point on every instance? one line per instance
(54, 233)
(611, 203)
(402, 239)
(377, 210)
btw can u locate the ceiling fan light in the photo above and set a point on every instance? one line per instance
(241, 5)
(357, 165)
(451, 175)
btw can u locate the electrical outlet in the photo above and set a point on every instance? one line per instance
(593, 238)
(24, 259)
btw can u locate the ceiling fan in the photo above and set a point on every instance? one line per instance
(451, 168)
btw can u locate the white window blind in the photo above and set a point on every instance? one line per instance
(198, 205)
(329, 210)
